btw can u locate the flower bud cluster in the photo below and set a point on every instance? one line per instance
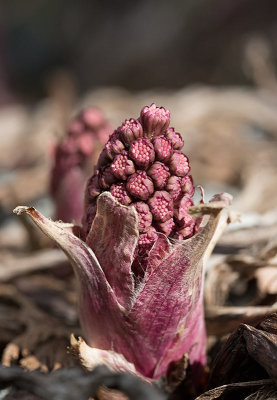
(73, 156)
(87, 132)
(142, 165)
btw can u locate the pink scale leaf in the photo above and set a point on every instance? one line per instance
(169, 308)
(89, 273)
(113, 238)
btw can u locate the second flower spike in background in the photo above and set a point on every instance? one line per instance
(73, 159)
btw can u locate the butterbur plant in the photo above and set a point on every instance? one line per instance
(73, 157)
(140, 255)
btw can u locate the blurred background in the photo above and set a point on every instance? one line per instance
(136, 45)
(211, 63)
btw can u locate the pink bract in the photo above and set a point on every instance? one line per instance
(156, 321)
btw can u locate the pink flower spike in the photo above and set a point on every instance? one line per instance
(122, 166)
(120, 193)
(142, 153)
(155, 120)
(159, 173)
(144, 216)
(179, 164)
(130, 130)
(139, 288)
(161, 206)
(74, 155)
(140, 185)
(175, 138)
(114, 146)
(163, 148)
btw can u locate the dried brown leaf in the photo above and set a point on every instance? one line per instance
(242, 391)
(223, 320)
(38, 340)
(267, 280)
(249, 354)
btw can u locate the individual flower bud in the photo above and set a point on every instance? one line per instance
(181, 210)
(166, 227)
(175, 138)
(114, 145)
(142, 153)
(155, 120)
(103, 160)
(106, 178)
(92, 189)
(159, 173)
(163, 148)
(186, 231)
(119, 192)
(140, 185)
(186, 226)
(146, 241)
(122, 166)
(187, 185)
(161, 206)
(179, 164)
(130, 130)
(173, 187)
(144, 215)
